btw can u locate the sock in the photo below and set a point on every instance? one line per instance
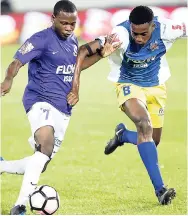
(14, 166)
(33, 170)
(129, 137)
(148, 153)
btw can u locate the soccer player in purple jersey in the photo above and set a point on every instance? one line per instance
(51, 54)
(139, 69)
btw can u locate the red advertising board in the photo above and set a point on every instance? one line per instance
(17, 27)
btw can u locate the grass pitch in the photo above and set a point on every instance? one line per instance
(89, 182)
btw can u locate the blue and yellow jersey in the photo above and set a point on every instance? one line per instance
(146, 65)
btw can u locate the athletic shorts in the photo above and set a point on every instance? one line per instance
(43, 114)
(153, 97)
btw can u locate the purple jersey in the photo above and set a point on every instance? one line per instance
(52, 61)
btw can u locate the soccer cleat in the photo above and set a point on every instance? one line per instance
(165, 195)
(18, 210)
(115, 141)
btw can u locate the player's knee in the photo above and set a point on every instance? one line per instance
(44, 138)
(144, 126)
(45, 148)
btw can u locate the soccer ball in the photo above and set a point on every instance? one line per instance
(44, 200)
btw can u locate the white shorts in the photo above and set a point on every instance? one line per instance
(42, 114)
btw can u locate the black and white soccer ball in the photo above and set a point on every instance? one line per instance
(44, 200)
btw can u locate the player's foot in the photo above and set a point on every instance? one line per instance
(165, 196)
(115, 141)
(18, 210)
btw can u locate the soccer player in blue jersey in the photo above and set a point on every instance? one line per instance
(51, 54)
(139, 69)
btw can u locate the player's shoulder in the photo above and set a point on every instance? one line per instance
(43, 34)
(124, 25)
(123, 33)
(122, 29)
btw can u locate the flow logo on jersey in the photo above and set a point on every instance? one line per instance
(65, 69)
(139, 63)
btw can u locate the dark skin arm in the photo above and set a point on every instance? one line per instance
(12, 71)
(89, 61)
(83, 62)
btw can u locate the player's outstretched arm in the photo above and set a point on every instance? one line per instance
(10, 74)
(89, 54)
(94, 51)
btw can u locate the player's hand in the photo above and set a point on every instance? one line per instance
(112, 43)
(6, 86)
(73, 96)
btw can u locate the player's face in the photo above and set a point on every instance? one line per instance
(142, 33)
(64, 23)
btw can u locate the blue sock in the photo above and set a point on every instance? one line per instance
(148, 153)
(129, 137)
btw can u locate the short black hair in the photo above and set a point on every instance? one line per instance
(141, 15)
(64, 5)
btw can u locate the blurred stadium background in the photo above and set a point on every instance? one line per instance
(95, 17)
(89, 182)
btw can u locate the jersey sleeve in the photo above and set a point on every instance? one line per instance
(122, 36)
(32, 48)
(172, 29)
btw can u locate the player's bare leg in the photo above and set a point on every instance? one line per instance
(137, 112)
(44, 138)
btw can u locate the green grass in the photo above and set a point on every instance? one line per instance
(89, 182)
